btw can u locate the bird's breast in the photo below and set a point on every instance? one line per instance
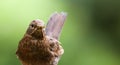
(30, 49)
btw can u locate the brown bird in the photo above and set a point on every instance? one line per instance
(40, 46)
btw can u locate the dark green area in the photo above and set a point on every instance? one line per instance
(91, 33)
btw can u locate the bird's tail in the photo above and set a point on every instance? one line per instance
(55, 24)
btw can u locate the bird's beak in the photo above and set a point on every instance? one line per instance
(40, 27)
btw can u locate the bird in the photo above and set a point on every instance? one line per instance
(40, 44)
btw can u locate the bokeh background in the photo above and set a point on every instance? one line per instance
(91, 33)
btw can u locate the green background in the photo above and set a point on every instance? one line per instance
(90, 36)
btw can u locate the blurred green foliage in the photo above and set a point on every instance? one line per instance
(91, 33)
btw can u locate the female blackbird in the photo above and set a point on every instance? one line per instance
(40, 46)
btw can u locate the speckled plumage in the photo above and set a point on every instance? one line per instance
(38, 48)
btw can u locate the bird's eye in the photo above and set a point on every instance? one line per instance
(32, 25)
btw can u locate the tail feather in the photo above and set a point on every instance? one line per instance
(55, 24)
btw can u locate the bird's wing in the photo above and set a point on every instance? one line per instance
(55, 24)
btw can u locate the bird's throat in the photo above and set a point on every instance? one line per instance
(38, 34)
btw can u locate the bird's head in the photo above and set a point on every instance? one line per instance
(36, 29)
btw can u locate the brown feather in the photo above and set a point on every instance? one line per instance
(35, 48)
